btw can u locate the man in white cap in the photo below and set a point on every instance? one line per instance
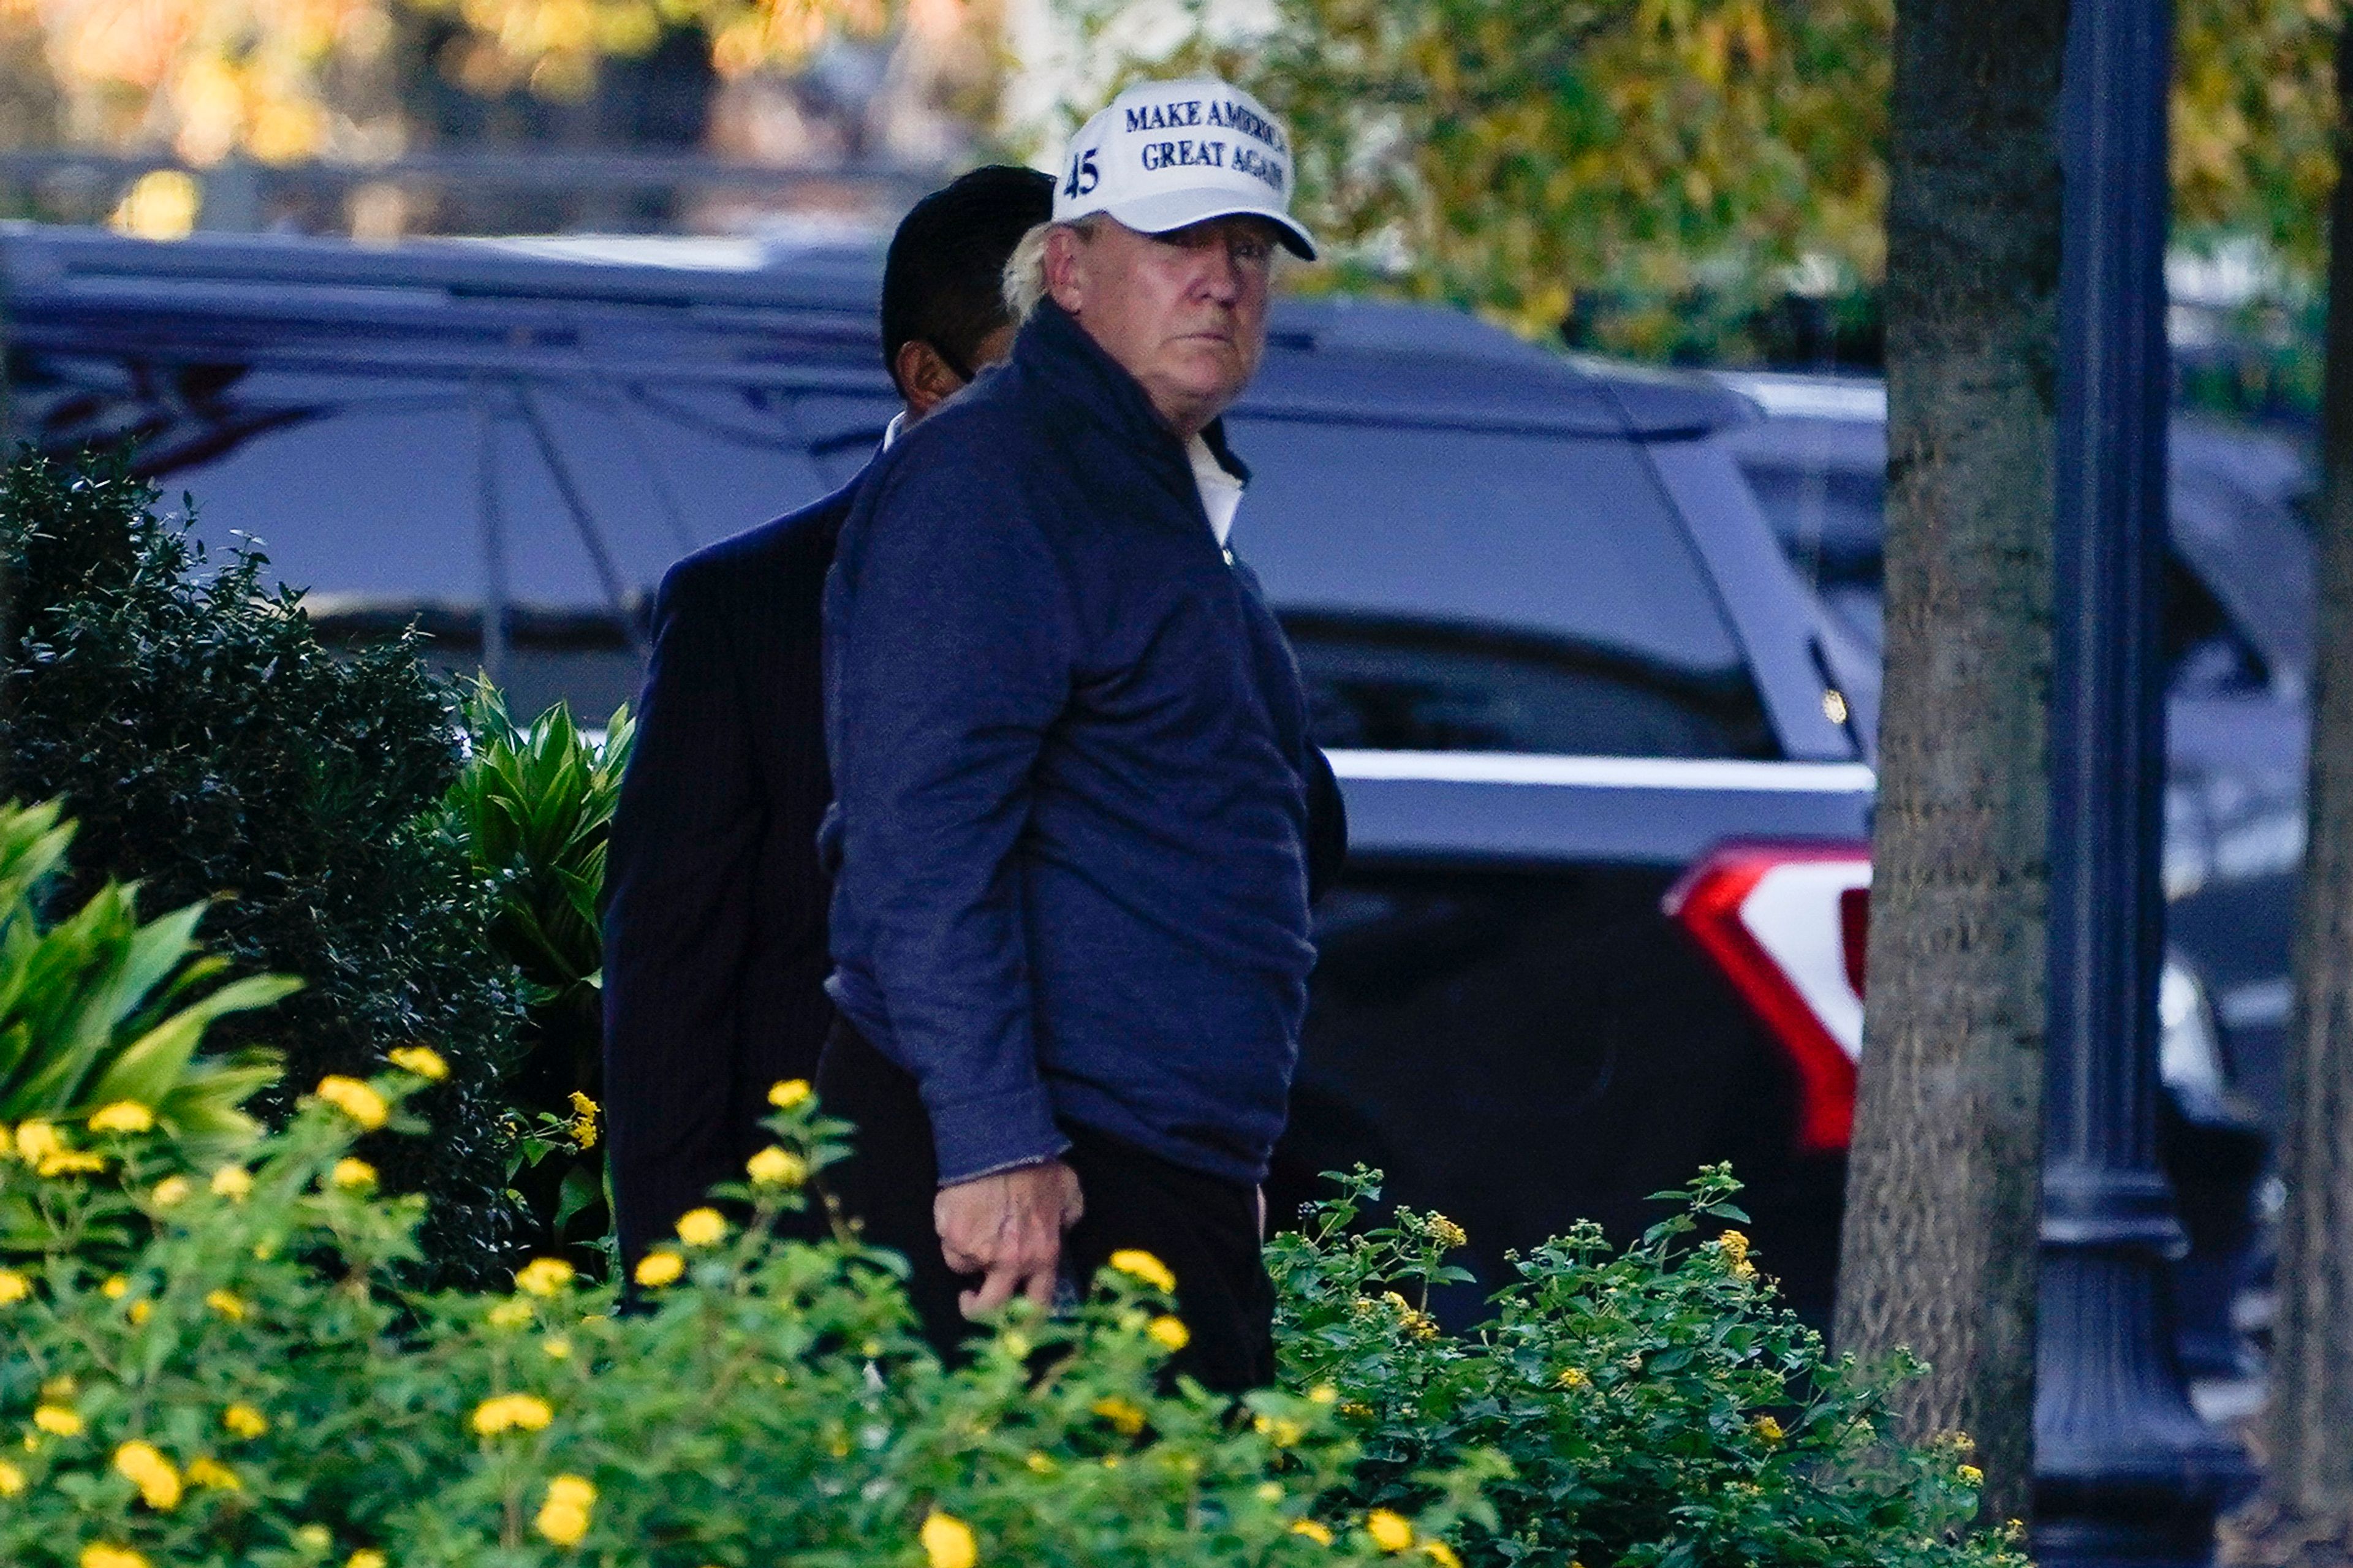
(1070, 757)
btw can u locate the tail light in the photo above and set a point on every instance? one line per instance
(1787, 925)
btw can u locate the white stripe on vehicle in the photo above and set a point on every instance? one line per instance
(1605, 773)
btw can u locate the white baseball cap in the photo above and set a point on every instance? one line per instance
(1170, 153)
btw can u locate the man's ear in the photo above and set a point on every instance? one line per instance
(924, 378)
(1063, 283)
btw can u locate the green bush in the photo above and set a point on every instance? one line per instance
(1656, 1408)
(253, 1389)
(208, 742)
(101, 1015)
(533, 810)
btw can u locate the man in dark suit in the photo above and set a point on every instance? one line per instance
(715, 925)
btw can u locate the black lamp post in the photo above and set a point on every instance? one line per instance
(2125, 1470)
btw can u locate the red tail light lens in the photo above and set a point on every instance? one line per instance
(1787, 923)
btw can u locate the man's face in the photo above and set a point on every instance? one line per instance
(1185, 311)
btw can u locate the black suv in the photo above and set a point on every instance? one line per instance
(1604, 753)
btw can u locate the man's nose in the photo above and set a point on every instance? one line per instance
(1221, 274)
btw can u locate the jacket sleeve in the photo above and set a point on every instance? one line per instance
(677, 916)
(949, 644)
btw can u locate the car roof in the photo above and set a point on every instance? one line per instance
(803, 312)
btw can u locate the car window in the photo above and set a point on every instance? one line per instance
(370, 485)
(1830, 524)
(1458, 590)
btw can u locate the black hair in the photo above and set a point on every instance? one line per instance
(943, 283)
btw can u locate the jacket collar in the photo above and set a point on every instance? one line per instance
(1057, 353)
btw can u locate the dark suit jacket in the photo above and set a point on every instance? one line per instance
(715, 920)
(715, 952)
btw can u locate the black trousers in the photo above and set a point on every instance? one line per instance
(1203, 1229)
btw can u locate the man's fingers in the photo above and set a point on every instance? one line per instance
(1040, 1287)
(997, 1288)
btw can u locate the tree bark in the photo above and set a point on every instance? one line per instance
(2304, 1513)
(1938, 1251)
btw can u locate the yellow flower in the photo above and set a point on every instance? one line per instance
(1038, 1462)
(58, 1421)
(1356, 1410)
(1320, 1534)
(140, 1311)
(508, 1412)
(564, 1517)
(368, 1556)
(1277, 1430)
(1170, 1332)
(70, 1161)
(1572, 1377)
(353, 1176)
(775, 1167)
(1971, 1476)
(947, 1540)
(1390, 1531)
(1446, 1233)
(1270, 1492)
(245, 1421)
(1121, 1413)
(151, 1472)
(12, 1479)
(1323, 1394)
(543, 1277)
(355, 1099)
(555, 1347)
(170, 1192)
(1734, 1246)
(212, 1473)
(1744, 1269)
(14, 1287)
(656, 1269)
(97, 1555)
(115, 1288)
(786, 1095)
(1137, 1264)
(423, 1060)
(232, 1182)
(36, 1141)
(701, 1227)
(1438, 1551)
(314, 1536)
(1769, 1430)
(511, 1314)
(122, 1116)
(227, 1305)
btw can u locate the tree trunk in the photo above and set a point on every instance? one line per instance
(1939, 1247)
(2304, 1511)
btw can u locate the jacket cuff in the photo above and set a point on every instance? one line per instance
(976, 1138)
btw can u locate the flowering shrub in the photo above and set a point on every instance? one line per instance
(101, 1015)
(193, 722)
(1655, 1407)
(253, 1388)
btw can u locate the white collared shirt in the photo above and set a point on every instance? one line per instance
(1221, 493)
(891, 431)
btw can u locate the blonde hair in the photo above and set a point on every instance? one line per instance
(1025, 270)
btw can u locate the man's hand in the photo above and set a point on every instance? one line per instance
(1008, 1228)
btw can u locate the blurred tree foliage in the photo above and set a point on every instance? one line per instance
(1663, 175)
(281, 80)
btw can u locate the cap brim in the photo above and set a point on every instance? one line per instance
(1167, 210)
